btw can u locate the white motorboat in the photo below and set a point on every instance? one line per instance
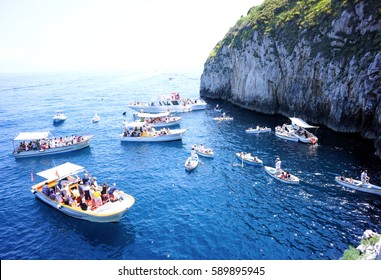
(223, 118)
(299, 130)
(285, 132)
(202, 151)
(191, 162)
(258, 129)
(62, 179)
(172, 103)
(158, 119)
(59, 117)
(247, 158)
(31, 144)
(282, 176)
(96, 118)
(358, 186)
(141, 132)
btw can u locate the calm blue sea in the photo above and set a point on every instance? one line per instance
(219, 211)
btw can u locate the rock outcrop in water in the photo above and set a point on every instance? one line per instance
(318, 59)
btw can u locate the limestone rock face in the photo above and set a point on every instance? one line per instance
(326, 77)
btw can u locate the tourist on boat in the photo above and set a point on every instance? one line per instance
(364, 177)
(86, 177)
(83, 205)
(278, 165)
(97, 199)
(104, 192)
(59, 197)
(111, 191)
(68, 200)
(45, 189)
(51, 194)
(86, 191)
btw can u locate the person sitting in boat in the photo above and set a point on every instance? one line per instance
(364, 177)
(68, 200)
(51, 194)
(83, 205)
(202, 149)
(59, 197)
(288, 175)
(284, 175)
(278, 165)
(45, 189)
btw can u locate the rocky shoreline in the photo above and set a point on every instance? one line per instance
(369, 248)
(328, 76)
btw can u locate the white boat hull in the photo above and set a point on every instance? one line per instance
(191, 163)
(174, 135)
(256, 131)
(207, 155)
(357, 185)
(223, 119)
(108, 212)
(286, 136)
(273, 173)
(249, 161)
(53, 151)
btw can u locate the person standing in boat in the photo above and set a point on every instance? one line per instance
(278, 165)
(364, 177)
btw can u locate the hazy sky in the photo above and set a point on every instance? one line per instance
(66, 35)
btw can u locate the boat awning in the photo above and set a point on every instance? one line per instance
(134, 124)
(61, 171)
(148, 115)
(301, 123)
(23, 136)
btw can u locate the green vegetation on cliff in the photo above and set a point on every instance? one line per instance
(289, 21)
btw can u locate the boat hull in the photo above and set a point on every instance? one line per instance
(101, 215)
(166, 124)
(287, 137)
(191, 164)
(249, 162)
(54, 151)
(256, 131)
(223, 119)
(357, 185)
(175, 135)
(207, 155)
(272, 172)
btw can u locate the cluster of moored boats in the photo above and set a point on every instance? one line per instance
(152, 123)
(151, 126)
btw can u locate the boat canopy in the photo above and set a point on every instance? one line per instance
(148, 115)
(301, 123)
(23, 136)
(61, 171)
(134, 124)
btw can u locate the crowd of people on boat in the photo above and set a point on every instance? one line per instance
(43, 144)
(84, 193)
(145, 131)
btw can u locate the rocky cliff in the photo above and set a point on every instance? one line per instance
(316, 59)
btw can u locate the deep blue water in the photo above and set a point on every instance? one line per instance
(219, 211)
